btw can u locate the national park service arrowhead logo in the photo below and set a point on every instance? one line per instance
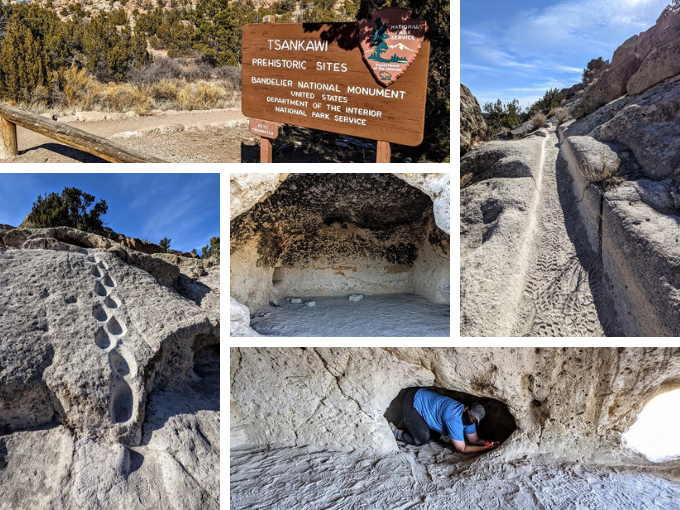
(390, 41)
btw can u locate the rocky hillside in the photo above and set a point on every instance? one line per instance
(588, 209)
(94, 6)
(109, 381)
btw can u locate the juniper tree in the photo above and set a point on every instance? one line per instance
(213, 250)
(70, 209)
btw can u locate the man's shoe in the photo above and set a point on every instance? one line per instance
(397, 432)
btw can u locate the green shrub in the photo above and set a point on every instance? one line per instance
(70, 209)
(499, 115)
(594, 69)
(213, 250)
(551, 99)
(165, 244)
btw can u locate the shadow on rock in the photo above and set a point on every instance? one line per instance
(590, 260)
(186, 397)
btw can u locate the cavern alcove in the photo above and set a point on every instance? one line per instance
(655, 431)
(497, 425)
(323, 237)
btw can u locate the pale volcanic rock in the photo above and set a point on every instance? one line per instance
(356, 232)
(239, 319)
(639, 63)
(602, 207)
(248, 189)
(473, 128)
(661, 54)
(310, 396)
(438, 188)
(501, 159)
(91, 342)
(567, 403)
(646, 123)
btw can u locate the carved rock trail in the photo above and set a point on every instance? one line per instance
(557, 299)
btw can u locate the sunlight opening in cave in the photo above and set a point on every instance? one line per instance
(655, 433)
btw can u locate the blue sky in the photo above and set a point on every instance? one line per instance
(183, 207)
(518, 49)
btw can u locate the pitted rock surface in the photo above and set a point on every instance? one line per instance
(86, 341)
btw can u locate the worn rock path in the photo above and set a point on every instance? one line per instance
(434, 477)
(562, 273)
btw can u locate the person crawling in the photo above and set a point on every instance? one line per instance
(429, 416)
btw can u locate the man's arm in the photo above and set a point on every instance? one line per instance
(474, 440)
(468, 448)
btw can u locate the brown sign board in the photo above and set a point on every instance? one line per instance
(314, 75)
(263, 128)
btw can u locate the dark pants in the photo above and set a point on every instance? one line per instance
(417, 431)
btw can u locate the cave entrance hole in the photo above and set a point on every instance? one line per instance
(498, 423)
(323, 237)
(655, 432)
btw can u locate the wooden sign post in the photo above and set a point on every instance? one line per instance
(364, 79)
(267, 132)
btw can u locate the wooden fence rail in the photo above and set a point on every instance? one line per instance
(74, 137)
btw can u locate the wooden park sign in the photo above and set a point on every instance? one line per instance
(366, 79)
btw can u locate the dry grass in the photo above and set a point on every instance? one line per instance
(76, 90)
(605, 174)
(538, 120)
(561, 114)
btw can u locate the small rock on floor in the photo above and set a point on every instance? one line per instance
(356, 297)
(310, 303)
(296, 300)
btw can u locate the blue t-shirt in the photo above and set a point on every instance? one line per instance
(442, 414)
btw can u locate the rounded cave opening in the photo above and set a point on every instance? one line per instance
(298, 255)
(654, 433)
(497, 425)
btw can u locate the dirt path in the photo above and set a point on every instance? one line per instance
(562, 278)
(183, 136)
(433, 477)
(213, 136)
